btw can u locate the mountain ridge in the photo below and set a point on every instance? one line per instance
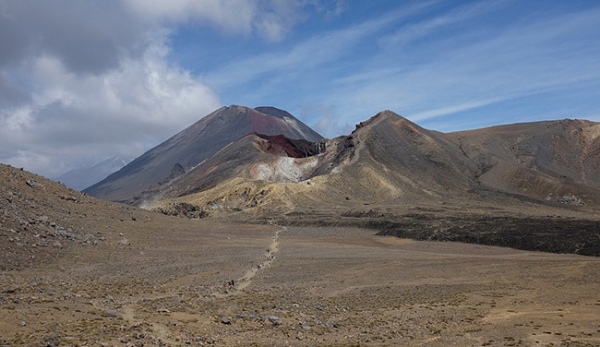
(388, 158)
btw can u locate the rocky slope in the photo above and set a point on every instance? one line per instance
(42, 219)
(552, 161)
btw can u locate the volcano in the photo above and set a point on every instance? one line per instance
(194, 145)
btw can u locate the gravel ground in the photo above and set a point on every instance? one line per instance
(299, 287)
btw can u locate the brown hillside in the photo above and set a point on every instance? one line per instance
(42, 220)
(552, 161)
(419, 162)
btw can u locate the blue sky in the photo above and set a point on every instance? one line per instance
(91, 80)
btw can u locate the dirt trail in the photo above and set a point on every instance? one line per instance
(243, 282)
(128, 312)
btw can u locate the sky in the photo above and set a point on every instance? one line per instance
(82, 81)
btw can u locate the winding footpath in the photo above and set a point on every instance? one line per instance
(160, 330)
(245, 280)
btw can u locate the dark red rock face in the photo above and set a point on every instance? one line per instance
(263, 124)
(281, 145)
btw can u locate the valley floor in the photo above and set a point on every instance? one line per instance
(299, 287)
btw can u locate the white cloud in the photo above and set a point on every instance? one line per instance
(16, 121)
(232, 15)
(417, 30)
(120, 112)
(33, 161)
(326, 121)
(272, 19)
(308, 54)
(450, 109)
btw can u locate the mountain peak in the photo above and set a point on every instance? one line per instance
(197, 143)
(381, 116)
(273, 111)
(388, 113)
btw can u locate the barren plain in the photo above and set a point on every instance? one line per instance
(296, 286)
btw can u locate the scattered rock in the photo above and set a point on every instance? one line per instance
(274, 320)
(50, 341)
(124, 242)
(32, 183)
(113, 313)
(225, 320)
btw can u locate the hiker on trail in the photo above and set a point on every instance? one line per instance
(232, 283)
(225, 285)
